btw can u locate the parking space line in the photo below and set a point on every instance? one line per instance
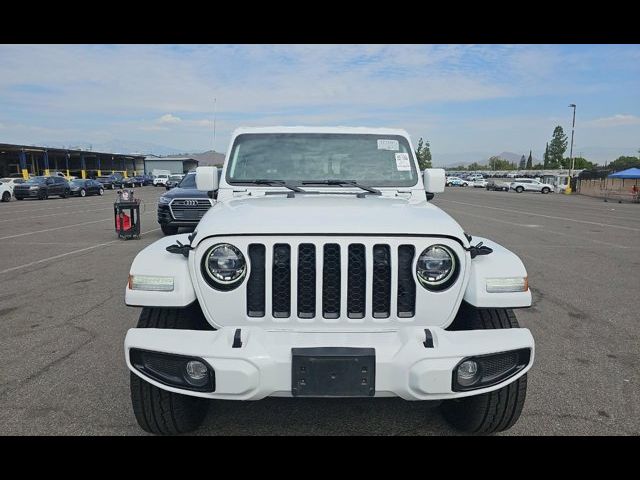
(553, 217)
(56, 214)
(55, 257)
(110, 219)
(56, 228)
(544, 229)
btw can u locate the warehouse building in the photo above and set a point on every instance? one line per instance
(28, 160)
(175, 165)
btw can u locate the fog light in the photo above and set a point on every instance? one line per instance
(196, 370)
(468, 373)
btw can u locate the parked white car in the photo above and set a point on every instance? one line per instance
(6, 185)
(160, 179)
(6, 191)
(324, 270)
(527, 184)
(479, 183)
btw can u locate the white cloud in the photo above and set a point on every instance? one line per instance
(168, 118)
(614, 121)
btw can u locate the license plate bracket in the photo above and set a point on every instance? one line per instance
(333, 372)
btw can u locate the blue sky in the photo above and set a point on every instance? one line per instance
(470, 101)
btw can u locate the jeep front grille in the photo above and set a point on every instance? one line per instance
(189, 208)
(342, 273)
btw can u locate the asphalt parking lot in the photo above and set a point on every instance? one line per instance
(63, 321)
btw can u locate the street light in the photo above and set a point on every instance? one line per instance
(214, 124)
(573, 125)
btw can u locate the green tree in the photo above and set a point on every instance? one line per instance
(579, 163)
(557, 147)
(545, 159)
(529, 161)
(476, 166)
(523, 162)
(497, 163)
(622, 163)
(538, 166)
(423, 154)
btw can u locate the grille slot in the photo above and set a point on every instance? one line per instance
(189, 208)
(331, 281)
(356, 281)
(306, 280)
(381, 301)
(256, 282)
(281, 281)
(406, 283)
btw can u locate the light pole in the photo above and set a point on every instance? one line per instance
(573, 125)
(214, 124)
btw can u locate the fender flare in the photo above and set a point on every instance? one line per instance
(501, 263)
(156, 261)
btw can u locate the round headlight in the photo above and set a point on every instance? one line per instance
(225, 266)
(436, 267)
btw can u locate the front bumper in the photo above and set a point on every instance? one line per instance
(261, 367)
(26, 193)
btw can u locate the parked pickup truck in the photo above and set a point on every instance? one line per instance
(323, 270)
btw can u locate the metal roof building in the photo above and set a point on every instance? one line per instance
(177, 164)
(30, 160)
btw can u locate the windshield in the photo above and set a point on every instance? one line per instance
(175, 178)
(34, 180)
(375, 160)
(189, 181)
(77, 182)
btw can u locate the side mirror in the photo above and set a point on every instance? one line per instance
(207, 178)
(434, 180)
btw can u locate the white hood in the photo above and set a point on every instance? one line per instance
(326, 214)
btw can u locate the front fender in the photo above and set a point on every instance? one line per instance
(155, 260)
(500, 263)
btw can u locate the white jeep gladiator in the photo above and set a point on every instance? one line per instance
(323, 270)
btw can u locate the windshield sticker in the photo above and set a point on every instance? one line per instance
(388, 144)
(402, 162)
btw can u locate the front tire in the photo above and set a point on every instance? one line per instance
(6, 197)
(101, 191)
(545, 191)
(519, 189)
(83, 192)
(494, 411)
(159, 411)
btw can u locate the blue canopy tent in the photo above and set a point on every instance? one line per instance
(628, 173)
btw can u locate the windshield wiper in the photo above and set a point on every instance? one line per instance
(343, 182)
(275, 182)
